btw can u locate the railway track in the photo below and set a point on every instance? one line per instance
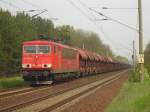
(55, 100)
(20, 91)
(12, 92)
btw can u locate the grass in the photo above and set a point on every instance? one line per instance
(11, 82)
(133, 97)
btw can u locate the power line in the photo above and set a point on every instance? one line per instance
(115, 20)
(111, 8)
(39, 7)
(84, 5)
(74, 5)
(119, 21)
(101, 29)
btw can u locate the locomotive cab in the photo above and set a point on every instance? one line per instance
(37, 57)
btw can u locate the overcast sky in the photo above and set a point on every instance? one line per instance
(77, 14)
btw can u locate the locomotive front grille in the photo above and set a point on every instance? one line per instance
(35, 73)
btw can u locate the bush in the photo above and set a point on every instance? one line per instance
(148, 69)
(11, 82)
(134, 75)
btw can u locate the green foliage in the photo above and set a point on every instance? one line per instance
(134, 75)
(90, 41)
(11, 82)
(122, 59)
(63, 33)
(142, 103)
(133, 97)
(148, 68)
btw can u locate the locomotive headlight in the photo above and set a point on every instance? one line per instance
(26, 65)
(46, 66)
(49, 65)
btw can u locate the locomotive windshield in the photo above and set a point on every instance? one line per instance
(37, 49)
(30, 49)
(43, 49)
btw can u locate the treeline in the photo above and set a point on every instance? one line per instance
(14, 29)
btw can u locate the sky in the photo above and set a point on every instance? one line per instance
(78, 14)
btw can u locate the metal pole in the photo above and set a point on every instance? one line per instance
(83, 46)
(141, 39)
(133, 55)
(135, 58)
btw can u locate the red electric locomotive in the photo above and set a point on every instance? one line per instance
(48, 61)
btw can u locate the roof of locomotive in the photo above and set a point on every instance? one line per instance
(34, 42)
(41, 42)
(84, 53)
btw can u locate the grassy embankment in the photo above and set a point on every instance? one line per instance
(133, 97)
(11, 82)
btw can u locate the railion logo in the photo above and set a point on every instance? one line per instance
(36, 58)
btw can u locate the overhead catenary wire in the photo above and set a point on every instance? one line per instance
(115, 20)
(82, 12)
(126, 49)
(97, 26)
(90, 19)
(74, 5)
(101, 29)
(111, 8)
(84, 5)
(112, 20)
(40, 9)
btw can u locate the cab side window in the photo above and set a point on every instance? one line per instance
(55, 49)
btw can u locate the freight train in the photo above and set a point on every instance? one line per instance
(49, 61)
